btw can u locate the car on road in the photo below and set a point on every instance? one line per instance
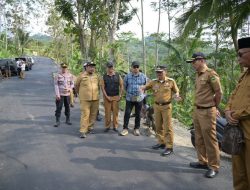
(12, 65)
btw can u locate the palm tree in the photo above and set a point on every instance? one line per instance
(234, 12)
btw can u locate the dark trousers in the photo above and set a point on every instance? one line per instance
(59, 104)
(18, 71)
(128, 109)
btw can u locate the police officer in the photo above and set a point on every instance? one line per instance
(164, 89)
(112, 88)
(63, 83)
(87, 86)
(208, 95)
(237, 112)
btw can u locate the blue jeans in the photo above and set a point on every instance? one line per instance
(128, 109)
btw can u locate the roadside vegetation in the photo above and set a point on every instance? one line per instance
(82, 30)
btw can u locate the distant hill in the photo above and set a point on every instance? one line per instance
(41, 37)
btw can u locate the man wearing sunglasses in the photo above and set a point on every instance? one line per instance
(134, 97)
(208, 95)
(164, 89)
(237, 112)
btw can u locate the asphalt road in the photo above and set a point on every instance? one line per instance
(36, 156)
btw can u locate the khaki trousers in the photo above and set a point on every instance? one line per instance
(205, 137)
(111, 107)
(163, 124)
(22, 74)
(241, 164)
(89, 111)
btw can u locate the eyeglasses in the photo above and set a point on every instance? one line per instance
(240, 54)
(136, 67)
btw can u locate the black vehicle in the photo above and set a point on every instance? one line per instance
(8, 62)
(28, 63)
(220, 125)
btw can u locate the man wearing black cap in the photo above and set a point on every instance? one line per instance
(87, 86)
(164, 89)
(112, 88)
(134, 97)
(238, 113)
(63, 83)
(208, 95)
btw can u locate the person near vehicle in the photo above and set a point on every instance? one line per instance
(18, 65)
(87, 86)
(208, 95)
(237, 112)
(22, 72)
(164, 89)
(134, 97)
(112, 88)
(7, 70)
(63, 83)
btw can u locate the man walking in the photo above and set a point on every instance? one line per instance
(208, 95)
(63, 83)
(87, 86)
(164, 88)
(112, 88)
(238, 113)
(134, 96)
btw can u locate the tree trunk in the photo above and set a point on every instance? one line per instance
(157, 38)
(143, 39)
(80, 26)
(113, 28)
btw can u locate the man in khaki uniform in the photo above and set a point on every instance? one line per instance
(207, 98)
(238, 112)
(112, 88)
(87, 86)
(163, 88)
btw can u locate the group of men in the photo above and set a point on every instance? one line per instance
(208, 94)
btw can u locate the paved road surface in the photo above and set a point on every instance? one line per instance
(36, 156)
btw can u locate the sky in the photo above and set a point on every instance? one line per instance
(150, 21)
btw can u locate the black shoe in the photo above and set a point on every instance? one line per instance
(91, 131)
(115, 130)
(197, 165)
(57, 124)
(211, 173)
(106, 130)
(167, 152)
(83, 135)
(158, 146)
(68, 123)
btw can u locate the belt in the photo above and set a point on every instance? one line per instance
(162, 103)
(201, 107)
